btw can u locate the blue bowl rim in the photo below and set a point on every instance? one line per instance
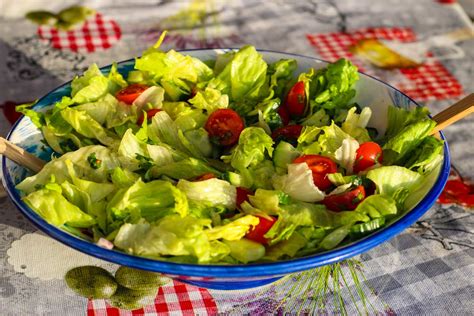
(233, 271)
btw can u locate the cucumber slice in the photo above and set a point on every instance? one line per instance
(363, 229)
(283, 155)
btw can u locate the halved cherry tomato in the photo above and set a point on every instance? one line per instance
(130, 93)
(224, 127)
(367, 155)
(321, 167)
(295, 101)
(284, 115)
(257, 232)
(149, 115)
(287, 133)
(205, 176)
(345, 201)
(242, 196)
(456, 188)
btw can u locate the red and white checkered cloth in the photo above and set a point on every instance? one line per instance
(431, 81)
(96, 33)
(174, 298)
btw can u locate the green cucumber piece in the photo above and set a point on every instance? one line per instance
(363, 229)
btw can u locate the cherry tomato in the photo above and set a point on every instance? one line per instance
(224, 127)
(456, 188)
(258, 232)
(345, 201)
(284, 115)
(149, 115)
(321, 167)
(367, 155)
(296, 100)
(130, 93)
(288, 133)
(205, 176)
(242, 196)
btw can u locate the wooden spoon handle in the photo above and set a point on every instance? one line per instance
(20, 156)
(454, 113)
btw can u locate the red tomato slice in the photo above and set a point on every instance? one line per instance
(367, 155)
(242, 196)
(456, 188)
(130, 93)
(256, 233)
(345, 201)
(205, 176)
(296, 100)
(285, 116)
(290, 132)
(149, 115)
(321, 167)
(224, 127)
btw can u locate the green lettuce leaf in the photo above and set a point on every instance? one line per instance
(298, 184)
(245, 250)
(57, 167)
(355, 124)
(243, 76)
(172, 235)
(300, 214)
(280, 75)
(37, 118)
(85, 125)
(400, 146)
(213, 191)
(253, 144)
(233, 230)
(318, 119)
(378, 205)
(331, 88)
(426, 156)
(287, 247)
(210, 100)
(395, 181)
(187, 168)
(267, 200)
(399, 118)
(57, 210)
(152, 200)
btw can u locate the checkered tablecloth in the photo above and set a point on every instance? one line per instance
(427, 270)
(431, 81)
(172, 298)
(95, 34)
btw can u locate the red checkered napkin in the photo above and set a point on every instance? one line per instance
(431, 81)
(97, 33)
(174, 298)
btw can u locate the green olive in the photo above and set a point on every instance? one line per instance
(42, 17)
(132, 299)
(139, 279)
(91, 282)
(74, 14)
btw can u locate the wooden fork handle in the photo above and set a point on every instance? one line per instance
(20, 156)
(454, 113)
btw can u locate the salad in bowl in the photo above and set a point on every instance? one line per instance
(226, 161)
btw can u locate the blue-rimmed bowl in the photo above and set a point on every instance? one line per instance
(370, 92)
